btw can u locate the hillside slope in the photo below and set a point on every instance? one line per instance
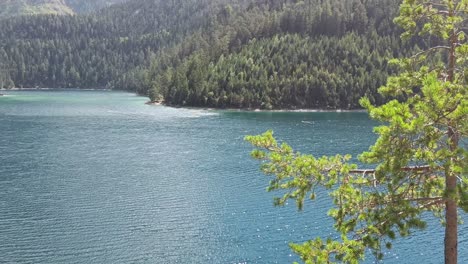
(220, 53)
(10, 8)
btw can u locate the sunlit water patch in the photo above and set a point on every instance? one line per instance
(100, 177)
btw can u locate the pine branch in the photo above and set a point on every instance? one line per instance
(410, 168)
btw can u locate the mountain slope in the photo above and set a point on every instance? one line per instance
(95, 50)
(10, 8)
(86, 6)
(219, 53)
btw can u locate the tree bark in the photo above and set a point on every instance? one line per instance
(451, 217)
(451, 229)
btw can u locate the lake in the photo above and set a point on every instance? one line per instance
(100, 177)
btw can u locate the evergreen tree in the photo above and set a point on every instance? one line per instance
(420, 163)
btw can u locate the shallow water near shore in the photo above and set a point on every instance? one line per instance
(100, 177)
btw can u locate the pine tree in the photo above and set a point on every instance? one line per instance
(419, 164)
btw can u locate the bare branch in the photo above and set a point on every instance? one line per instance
(434, 4)
(411, 168)
(430, 50)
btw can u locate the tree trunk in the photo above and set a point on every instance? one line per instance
(451, 229)
(451, 217)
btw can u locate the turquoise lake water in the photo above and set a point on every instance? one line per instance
(100, 177)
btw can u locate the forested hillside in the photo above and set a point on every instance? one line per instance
(219, 53)
(283, 71)
(93, 50)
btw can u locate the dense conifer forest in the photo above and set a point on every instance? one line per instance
(217, 53)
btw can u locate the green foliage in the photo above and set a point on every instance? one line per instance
(110, 48)
(280, 56)
(419, 158)
(268, 54)
(289, 71)
(318, 251)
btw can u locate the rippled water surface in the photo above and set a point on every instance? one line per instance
(99, 177)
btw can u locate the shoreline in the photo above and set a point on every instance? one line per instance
(260, 110)
(150, 103)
